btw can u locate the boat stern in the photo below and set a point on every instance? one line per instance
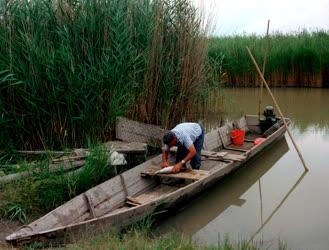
(21, 236)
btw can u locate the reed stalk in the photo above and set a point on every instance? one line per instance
(69, 68)
(298, 59)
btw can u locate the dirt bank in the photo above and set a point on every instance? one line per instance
(7, 227)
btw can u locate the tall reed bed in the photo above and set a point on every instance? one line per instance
(69, 68)
(296, 59)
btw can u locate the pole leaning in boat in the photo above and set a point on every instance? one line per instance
(278, 108)
(264, 64)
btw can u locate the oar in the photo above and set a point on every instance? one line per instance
(278, 108)
(264, 63)
(278, 206)
(261, 201)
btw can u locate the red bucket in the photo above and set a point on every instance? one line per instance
(238, 136)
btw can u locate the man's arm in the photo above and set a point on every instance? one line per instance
(164, 158)
(188, 157)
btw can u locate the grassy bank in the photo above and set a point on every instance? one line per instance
(43, 190)
(143, 235)
(142, 238)
(139, 240)
(69, 68)
(299, 59)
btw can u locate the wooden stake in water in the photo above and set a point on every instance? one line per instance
(264, 63)
(278, 108)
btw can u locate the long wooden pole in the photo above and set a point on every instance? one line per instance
(261, 201)
(266, 48)
(278, 206)
(264, 64)
(278, 108)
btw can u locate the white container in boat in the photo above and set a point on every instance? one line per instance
(166, 170)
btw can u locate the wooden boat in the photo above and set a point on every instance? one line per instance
(212, 206)
(136, 193)
(76, 159)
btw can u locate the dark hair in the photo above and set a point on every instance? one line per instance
(168, 137)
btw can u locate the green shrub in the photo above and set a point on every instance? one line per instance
(44, 190)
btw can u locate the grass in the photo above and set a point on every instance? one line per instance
(44, 190)
(12, 163)
(296, 59)
(69, 68)
(144, 239)
(136, 240)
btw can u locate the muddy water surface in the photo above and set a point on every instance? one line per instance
(271, 198)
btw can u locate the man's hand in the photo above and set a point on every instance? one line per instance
(177, 167)
(164, 164)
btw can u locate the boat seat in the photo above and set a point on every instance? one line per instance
(245, 147)
(212, 140)
(132, 201)
(241, 124)
(192, 175)
(223, 156)
(225, 136)
(251, 137)
(150, 195)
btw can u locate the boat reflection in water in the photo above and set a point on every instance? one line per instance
(198, 214)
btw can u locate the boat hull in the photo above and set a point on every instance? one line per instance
(117, 218)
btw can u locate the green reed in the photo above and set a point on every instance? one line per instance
(44, 190)
(68, 68)
(298, 59)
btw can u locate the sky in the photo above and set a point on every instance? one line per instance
(230, 17)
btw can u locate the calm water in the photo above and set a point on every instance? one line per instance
(271, 198)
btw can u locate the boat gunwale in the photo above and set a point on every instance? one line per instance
(193, 185)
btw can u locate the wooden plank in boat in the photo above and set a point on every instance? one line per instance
(241, 124)
(250, 137)
(252, 120)
(110, 194)
(213, 153)
(155, 193)
(244, 147)
(66, 166)
(90, 205)
(132, 131)
(187, 175)
(225, 134)
(126, 147)
(212, 140)
(132, 201)
(223, 155)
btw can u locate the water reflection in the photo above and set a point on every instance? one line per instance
(263, 224)
(306, 107)
(270, 199)
(201, 211)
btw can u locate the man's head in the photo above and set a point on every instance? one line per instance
(169, 139)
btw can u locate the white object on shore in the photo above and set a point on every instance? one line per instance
(117, 158)
(167, 170)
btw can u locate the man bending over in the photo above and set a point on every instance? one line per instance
(189, 138)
